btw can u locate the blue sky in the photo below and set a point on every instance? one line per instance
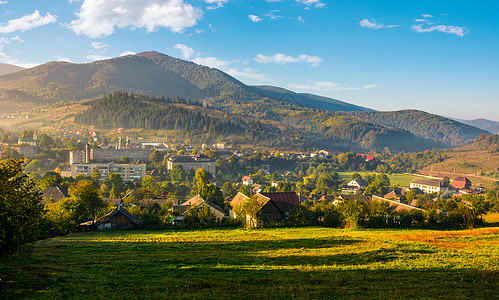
(437, 56)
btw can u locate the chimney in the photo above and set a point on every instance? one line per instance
(87, 153)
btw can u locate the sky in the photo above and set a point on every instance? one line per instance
(438, 56)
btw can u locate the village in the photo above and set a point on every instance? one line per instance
(142, 176)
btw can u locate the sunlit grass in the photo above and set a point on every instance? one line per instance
(268, 263)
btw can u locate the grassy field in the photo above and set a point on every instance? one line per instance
(395, 179)
(268, 263)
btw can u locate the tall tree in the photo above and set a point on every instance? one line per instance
(20, 207)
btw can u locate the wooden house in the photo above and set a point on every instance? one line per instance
(265, 212)
(119, 218)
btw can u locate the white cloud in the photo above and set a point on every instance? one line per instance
(3, 2)
(98, 18)
(316, 3)
(217, 3)
(211, 62)
(459, 31)
(282, 59)
(427, 16)
(272, 14)
(329, 86)
(7, 40)
(254, 18)
(125, 53)
(421, 20)
(248, 74)
(27, 22)
(373, 25)
(300, 18)
(65, 59)
(98, 45)
(187, 52)
(95, 57)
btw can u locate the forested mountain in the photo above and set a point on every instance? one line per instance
(142, 111)
(7, 69)
(300, 129)
(307, 100)
(425, 125)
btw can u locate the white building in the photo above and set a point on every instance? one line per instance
(128, 172)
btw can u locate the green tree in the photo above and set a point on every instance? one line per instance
(20, 207)
(115, 185)
(177, 173)
(85, 200)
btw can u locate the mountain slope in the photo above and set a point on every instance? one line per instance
(149, 73)
(307, 100)
(425, 125)
(7, 69)
(488, 125)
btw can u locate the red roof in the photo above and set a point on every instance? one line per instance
(461, 183)
(369, 157)
(246, 178)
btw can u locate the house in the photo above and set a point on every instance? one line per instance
(428, 185)
(119, 218)
(54, 194)
(341, 198)
(247, 180)
(265, 211)
(198, 202)
(397, 193)
(461, 183)
(354, 187)
(286, 201)
(33, 141)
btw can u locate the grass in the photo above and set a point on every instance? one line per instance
(395, 178)
(302, 263)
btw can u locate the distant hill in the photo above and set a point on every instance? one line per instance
(7, 69)
(423, 124)
(307, 100)
(149, 73)
(488, 125)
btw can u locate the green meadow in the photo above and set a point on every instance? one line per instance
(395, 178)
(306, 263)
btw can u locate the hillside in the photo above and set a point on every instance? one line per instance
(307, 100)
(488, 125)
(7, 69)
(423, 124)
(149, 73)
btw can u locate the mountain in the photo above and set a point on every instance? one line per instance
(329, 122)
(150, 73)
(307, 100)
(423, 124)
(488, 125)
(7, 69)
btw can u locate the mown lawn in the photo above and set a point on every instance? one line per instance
(282, 263)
